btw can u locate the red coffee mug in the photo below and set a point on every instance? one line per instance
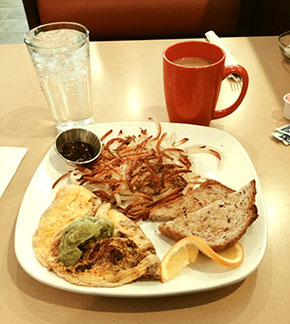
(191, 92)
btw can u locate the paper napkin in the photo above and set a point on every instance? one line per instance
(213, 38)
(10, 158)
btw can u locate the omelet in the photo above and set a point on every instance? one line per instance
(110, 261)
(71, 202)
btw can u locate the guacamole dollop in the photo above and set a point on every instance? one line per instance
(80, 232)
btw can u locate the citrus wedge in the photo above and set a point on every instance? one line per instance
(177, 258)
(231, 257)
(186, 250)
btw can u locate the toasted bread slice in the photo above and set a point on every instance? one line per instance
(205, 194)
(221, 223)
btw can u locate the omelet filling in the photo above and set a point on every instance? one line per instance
(79, 233)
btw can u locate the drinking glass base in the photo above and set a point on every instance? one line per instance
(74, 124)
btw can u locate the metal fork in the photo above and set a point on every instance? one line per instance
(235, 77)
(235, 86)
(230, 60)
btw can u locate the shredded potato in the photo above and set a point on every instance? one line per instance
(136, 173)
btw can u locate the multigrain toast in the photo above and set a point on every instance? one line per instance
(221, 223)
(193, 200)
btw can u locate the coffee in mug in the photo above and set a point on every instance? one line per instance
(192, 75)
(193, 61)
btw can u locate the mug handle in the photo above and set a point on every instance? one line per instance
(241, 71)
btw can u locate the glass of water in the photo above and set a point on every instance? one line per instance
(61, 57)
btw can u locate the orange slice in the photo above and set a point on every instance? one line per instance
(231, 257)
(186, 250)
(177, 258)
